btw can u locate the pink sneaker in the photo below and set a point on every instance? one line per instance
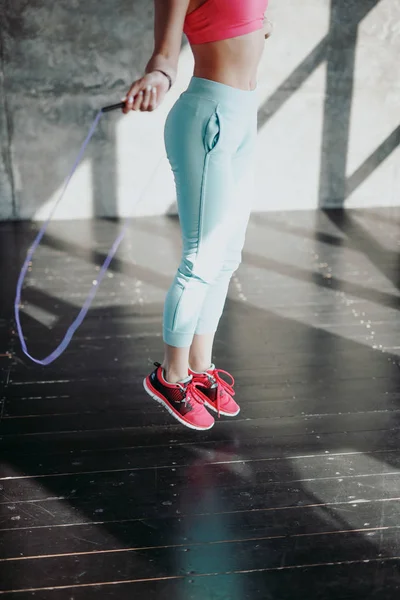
(183, 400)
(216, 392)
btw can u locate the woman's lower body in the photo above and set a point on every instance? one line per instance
(210, 137)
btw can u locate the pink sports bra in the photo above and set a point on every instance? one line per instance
(223, 19)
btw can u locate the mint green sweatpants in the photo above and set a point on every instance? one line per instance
(210, 137)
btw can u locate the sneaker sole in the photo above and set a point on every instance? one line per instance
(153, 394)
(221, 412)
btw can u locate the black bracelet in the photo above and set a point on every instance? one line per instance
(167, 76)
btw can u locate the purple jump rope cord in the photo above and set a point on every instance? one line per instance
(82, 313)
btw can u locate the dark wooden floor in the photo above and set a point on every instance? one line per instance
(103, 495)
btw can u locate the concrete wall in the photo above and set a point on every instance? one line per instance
(329, 96)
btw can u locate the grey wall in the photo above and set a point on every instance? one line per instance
(61, 61)
(329, 95)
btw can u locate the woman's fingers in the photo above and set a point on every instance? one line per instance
(149, 101)
(133, 102)
(141, 97)
(130, 97)
(128, 104)
(153, 99)
(137, 102)
(146, 97)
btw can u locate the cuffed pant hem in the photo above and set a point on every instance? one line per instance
(176, 339)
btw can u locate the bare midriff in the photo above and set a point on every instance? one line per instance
(233, 61)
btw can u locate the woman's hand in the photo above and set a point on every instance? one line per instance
(146, 93)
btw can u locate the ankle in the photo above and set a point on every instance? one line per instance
(199, 367)
(174, 376)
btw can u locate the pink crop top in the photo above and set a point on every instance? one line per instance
(223, 19)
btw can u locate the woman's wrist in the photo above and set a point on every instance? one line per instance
(165, 75)
(163, 65)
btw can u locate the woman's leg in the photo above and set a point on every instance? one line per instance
(204, 182)
(201, 350)
(243, 169)
(214, 183)
(175, 363)
(218, 392)
(200, 355)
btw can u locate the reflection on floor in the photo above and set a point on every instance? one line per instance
(103, 495)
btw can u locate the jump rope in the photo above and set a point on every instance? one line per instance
(89, 299)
